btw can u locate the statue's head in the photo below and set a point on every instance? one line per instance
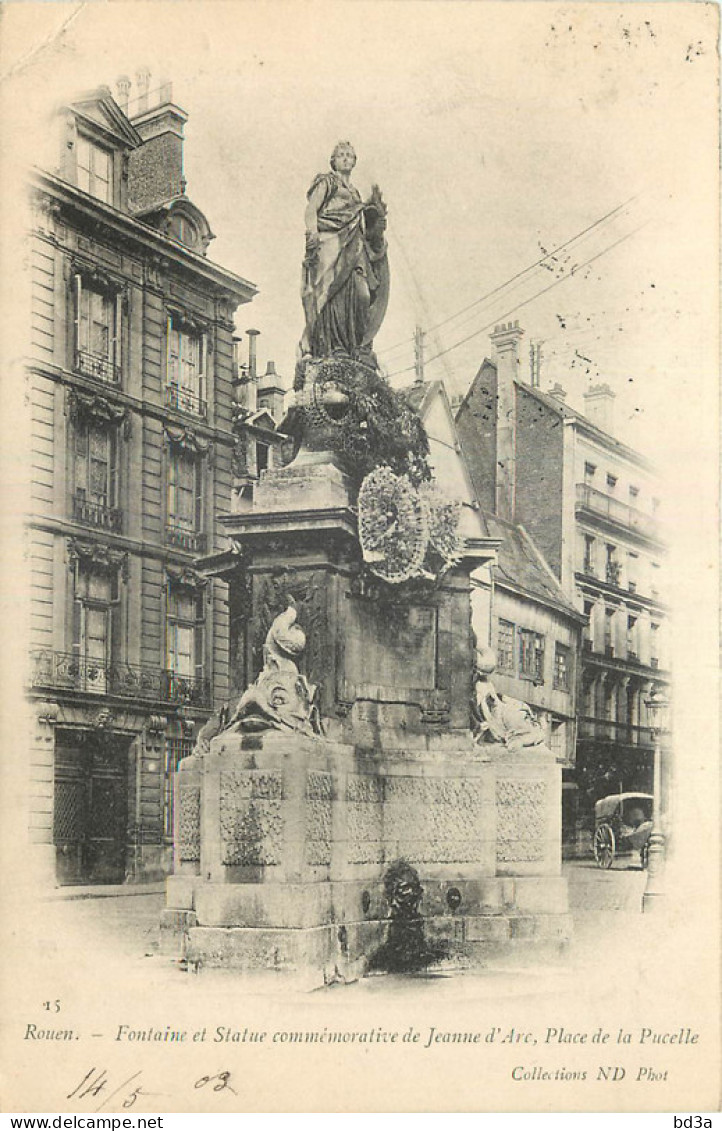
(278, 699)
(343, 156)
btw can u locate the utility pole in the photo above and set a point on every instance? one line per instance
(419, 353)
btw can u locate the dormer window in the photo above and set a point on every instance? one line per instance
(182, 229)
(95, 170)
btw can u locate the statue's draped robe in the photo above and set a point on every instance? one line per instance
(345, 290)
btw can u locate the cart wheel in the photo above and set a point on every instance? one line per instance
(604, 846)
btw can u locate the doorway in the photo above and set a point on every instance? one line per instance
(90, 816)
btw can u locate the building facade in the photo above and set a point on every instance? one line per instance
(131, 386)
(518, 606)
(591, 505)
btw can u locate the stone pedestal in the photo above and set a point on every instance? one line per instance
(282, 844)
(282, 841)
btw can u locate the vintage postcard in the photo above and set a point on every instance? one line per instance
(360, 557)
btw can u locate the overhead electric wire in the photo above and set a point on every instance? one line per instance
(526, 302)
(526, 270)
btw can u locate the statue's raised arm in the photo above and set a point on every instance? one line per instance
(345, 282)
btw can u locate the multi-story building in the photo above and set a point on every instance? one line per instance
(518, 605)
(130, 377)
(590, 503)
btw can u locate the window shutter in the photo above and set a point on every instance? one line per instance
(118, 332)
(78, 610)
(78, 309)
(202, 349)
(198, 646)
(113, 469)
(168, 365)
(198, 470)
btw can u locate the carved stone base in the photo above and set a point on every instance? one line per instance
(283, 842)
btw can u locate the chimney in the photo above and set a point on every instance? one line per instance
(251, 373)
(558, 392)
(155, 172)
(599, 407)
(122, 86)
(252, 348)
(506, 339)
(271, 392)
(142, 80)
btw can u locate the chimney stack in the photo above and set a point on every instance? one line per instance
(252, 350)
(271, 392)
(142, 80)
(558, 392)
(599, 407)
(122, 86)
(155, 171)
(506, 339)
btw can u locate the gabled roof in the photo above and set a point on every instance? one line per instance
(100, 108)
(564, 412)
(419, 395)
(521, 568)
(261, 419)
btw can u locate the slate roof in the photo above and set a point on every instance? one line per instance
(521, 567)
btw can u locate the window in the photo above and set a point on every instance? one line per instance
(561, 667)
(588, 638)
(95, 597)
(632, 638)
(609, 631)
(613, 567)
(632, 567)
(182, 229)
(95, 170)
(589, 555)
(185, 645)
(531, 655)
(505, 646)
(611, 482)
(98, 323)
(654, 645)
(95, 475)
(185, 499)
(633, 493)
(589, 471)
(262, 456)
(185, 367)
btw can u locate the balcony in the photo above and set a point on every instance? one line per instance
(620, 733)
(621, 514)
(70, 672)
(98, 515)
(185, 400)
(184, 539)
(97, 366)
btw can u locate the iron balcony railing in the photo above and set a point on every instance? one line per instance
(616, 511)
(622, 733)
(98, 366)
(185, 400)
(185, 539)
(69, 671)
(96, 514)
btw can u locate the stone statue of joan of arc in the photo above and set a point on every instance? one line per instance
(345, 281)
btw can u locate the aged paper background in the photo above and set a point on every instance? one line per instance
(361, 70)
